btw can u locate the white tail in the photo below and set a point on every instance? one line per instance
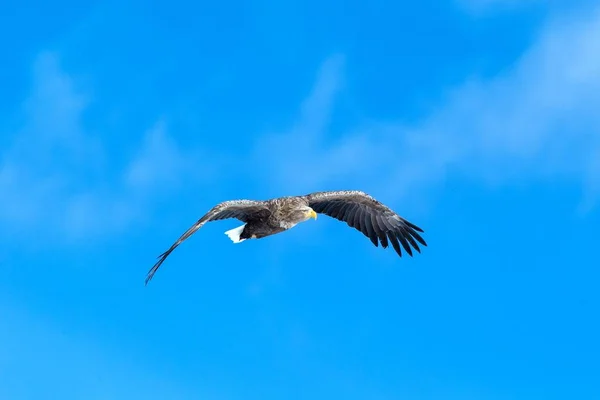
(234, 234)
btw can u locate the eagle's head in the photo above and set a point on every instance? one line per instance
(302, 213)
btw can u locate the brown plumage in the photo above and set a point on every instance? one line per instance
(264, 218)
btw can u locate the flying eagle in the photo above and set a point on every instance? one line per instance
(264, 218)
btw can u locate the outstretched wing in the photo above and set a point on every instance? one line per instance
(240, 209)
(374, 219)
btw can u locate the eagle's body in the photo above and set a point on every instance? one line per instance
(265, 218)
(276, 215)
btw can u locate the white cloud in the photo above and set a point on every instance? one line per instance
(58, 178)
(536, 120)
(303, 156)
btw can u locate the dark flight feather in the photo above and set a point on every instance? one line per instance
(239, 209)
(370, 217)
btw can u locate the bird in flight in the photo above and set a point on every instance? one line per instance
(265, 218)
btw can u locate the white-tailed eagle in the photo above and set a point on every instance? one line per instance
(264, 218)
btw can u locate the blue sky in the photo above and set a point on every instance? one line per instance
(120, 125)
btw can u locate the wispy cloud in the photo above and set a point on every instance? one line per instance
(58, 177)
(303, 155)
(536, 120)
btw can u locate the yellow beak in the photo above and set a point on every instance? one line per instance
(313, 214)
